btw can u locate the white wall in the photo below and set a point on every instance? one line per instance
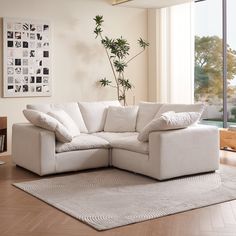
(78, 59)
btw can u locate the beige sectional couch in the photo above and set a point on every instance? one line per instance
(167, 154)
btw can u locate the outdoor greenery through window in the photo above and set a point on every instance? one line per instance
(208, 86)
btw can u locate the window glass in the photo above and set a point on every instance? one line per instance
(231, 64)
(208, 79)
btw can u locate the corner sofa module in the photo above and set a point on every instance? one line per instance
(172, 153)
(35, 149)
(167, 154)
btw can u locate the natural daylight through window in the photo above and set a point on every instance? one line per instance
(209, 54)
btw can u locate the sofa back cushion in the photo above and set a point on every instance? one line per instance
(180, 108)
(147, 111)
(72, 109)
(121, 119)
(94, 114)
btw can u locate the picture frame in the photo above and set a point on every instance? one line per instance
(26, 58)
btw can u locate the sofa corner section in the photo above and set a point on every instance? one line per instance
(184, 152)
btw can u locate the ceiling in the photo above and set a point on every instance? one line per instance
(148, 3)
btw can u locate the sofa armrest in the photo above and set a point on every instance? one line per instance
(33, 148)
(184, 151)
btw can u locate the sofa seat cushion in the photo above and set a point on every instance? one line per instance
(82, 142)
(131, 144)
(126, 140)
(113, 136)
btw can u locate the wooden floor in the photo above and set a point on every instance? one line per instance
(24, 215)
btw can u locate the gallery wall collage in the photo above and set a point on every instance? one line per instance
(27, 58)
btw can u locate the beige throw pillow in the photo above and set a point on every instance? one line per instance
(169, 121)
(66, 120)
(180, 108)
(146, 113)
(94, 114)
(71, 108)
(121, 119)
(47, 122)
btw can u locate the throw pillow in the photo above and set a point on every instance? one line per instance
(180, 108)
(121, 119)
(94, 114)
(66, 120)
(146, 112)
(169, 121)
(71, 108)
(47, 122)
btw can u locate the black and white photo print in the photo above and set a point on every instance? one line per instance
(26, 58)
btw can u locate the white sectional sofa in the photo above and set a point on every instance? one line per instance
(167, 154)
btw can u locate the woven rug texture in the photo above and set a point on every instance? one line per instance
(110, 198)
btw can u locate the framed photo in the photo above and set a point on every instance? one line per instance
(26, 58)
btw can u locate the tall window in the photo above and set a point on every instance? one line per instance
(231, 57)
(209, 55)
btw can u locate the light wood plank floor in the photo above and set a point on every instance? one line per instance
(24, 215)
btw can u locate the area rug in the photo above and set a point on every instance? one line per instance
(110, 198)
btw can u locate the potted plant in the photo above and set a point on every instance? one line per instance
(117, 51)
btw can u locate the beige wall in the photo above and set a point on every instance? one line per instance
(154, 62)
(78, 59)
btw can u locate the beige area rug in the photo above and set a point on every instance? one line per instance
(109, 198)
